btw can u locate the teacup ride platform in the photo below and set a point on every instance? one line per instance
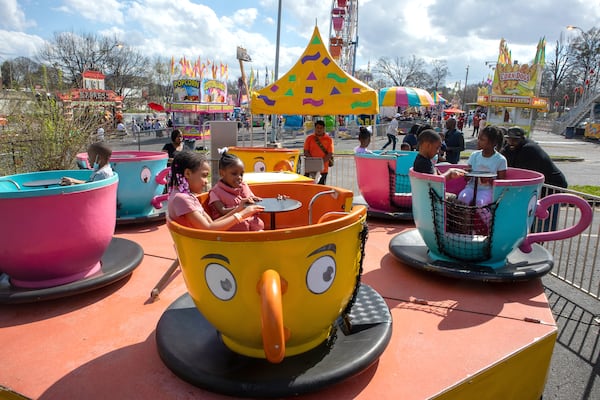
(476, 339)
(384, 184)
(58, 240)
(487, 243)
(277, 312)
(142, 176)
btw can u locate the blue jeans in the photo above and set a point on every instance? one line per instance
(391, 140)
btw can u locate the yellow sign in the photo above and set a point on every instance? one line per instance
(513, 101)
(512, 78)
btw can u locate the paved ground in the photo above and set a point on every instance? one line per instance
(575, 369)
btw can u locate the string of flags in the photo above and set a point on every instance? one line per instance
(199, 69)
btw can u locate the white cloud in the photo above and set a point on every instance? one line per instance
(13, 17)
(464, 33)
(19, 44)
(108, 11)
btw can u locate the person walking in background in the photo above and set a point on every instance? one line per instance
(100, 134)
(391, 132)
(460, 123)
(476, 119)
(455, 142)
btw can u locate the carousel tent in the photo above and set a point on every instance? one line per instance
(315, 85)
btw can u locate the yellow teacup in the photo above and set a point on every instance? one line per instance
(277, 293)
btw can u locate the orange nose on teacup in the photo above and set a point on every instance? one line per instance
(271, 287)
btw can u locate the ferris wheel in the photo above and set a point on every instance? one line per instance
(343, 33)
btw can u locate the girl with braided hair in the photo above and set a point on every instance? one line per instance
(188, 178)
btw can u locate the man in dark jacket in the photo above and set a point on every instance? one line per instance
(521, 152)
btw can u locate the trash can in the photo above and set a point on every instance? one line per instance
(570, 132)
(579, 131)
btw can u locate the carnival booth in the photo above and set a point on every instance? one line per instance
(199, 96)
(515, 87)
(316, 86)
(92, 96)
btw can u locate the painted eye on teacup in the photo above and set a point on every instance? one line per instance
(220, 281)
(145, 175)
(321, 274)
(260, 166)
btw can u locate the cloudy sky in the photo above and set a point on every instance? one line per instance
(467, 33)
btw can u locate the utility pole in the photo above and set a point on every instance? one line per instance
(274, 119)
(464, 107)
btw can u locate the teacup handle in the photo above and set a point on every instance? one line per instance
(542, 212)
(161, 177)
(158, 200)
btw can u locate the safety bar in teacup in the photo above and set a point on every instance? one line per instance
(543, 205)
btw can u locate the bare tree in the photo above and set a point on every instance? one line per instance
(125, 68)
(557, 70)
(73, 54)
(585, 50)
(402, 72)
(439, 73)
(160, 87)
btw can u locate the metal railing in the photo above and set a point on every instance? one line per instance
(576, 114)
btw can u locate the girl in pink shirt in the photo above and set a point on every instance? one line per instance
(188, 178)
(231, 191)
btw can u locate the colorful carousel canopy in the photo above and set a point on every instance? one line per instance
(315, 85)
(437, 98)
(404, 96)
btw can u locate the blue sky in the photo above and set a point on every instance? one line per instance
(464, 33)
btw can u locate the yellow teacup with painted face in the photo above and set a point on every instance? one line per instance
(277, 293)
(261, 159)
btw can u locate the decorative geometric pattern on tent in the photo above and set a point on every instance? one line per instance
(316, 85)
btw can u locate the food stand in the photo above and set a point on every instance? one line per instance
(199, 96)
(91, 96)
(513, 96)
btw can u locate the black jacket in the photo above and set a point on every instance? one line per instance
(529, 155)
